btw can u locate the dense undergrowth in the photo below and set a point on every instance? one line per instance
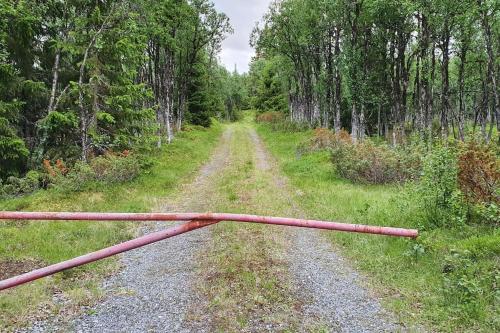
(448, 278)
(121, 183)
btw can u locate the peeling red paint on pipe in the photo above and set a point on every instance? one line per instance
(370, 229)
(104, 253)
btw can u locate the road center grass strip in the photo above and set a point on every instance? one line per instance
(244, 273)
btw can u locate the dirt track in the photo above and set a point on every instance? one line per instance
(158, 289)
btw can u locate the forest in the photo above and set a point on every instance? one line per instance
(81, 78)
(378, 67)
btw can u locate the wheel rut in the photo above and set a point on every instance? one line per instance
(153, 292)
(334, 296)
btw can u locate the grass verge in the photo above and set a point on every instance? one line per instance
(25, 245)
(410, 276)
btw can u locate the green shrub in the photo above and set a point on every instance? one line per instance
(279, 122)
(289, 126)
(469, 286)
(77, 179)
(19, 186)
(365, 162)
(488, 213)
(437, 194)
(270, 117)
(108, 168)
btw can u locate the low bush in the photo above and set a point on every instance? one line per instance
(365, 162)
(14, 186)
(108, 168)
(479, 173)
(289, 126)
(438, 197)
(112, 169)
(468, 285)
(279, 122)
(459, 184)
(488, 213)
(323, 138)
(270, 117)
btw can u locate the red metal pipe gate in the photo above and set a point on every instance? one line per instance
(194, 221)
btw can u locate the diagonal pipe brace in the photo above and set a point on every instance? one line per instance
(104, 253)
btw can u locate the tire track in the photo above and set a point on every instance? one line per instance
(332, 291)
(154, 292)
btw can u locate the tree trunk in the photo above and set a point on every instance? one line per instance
(492, 75)
(425, 97)
(84, 114)
(430, 96)
(55, 76)
(338, 83)
(445, 84)
(169, 93)
(461, 98)
(84, 121)
(354, 123)
(329, 81)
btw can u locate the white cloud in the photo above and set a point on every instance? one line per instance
(243, 14)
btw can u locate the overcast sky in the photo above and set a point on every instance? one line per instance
(242, 14)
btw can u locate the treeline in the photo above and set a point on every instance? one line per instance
(383, 67)
(80, 78)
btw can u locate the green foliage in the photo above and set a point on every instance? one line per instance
(489, 213)
(78, 79)
(106, 169)
(380, 66)
(58, 136)
(289, 126)
(368, 162)
(14, 186)
(267, 86)
(231, 95)
(468, 285)
(279, 122)
(437, 193)
(13, 151)
(199, 112)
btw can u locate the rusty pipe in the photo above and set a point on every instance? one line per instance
(348, 227)
(104, 253)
